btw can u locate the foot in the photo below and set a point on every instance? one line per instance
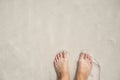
(61, 66)
(84, 66)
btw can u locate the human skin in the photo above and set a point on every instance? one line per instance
(62, 70)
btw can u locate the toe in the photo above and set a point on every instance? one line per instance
(56, 58)
(85, 56)
(64, 55)
(89, 58)
(81, 55)
(59, 55)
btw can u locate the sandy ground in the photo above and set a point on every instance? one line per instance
(33, 31)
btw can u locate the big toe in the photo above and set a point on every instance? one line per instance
(65, 55)
(89, 58)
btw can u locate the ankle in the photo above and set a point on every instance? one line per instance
(65, 77)
(82, 77)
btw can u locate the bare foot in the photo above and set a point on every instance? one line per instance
(61, 66)
(84, 66)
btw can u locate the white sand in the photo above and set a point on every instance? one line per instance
(33, 31)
